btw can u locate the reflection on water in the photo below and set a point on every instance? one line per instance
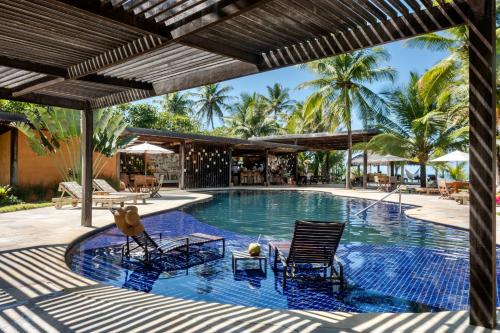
(392, 263)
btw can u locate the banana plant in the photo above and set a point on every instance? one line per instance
(56, 132)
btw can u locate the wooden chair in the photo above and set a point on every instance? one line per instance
(444, 193)
(314, 243)
(155, 190)
(102, 185)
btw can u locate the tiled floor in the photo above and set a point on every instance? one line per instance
(39, 294)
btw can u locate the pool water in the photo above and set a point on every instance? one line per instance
(392, 263)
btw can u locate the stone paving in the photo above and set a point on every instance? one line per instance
(38, 293)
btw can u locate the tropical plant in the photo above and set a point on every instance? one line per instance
(56, 132)
(457, 172)
(250, 118)
(177, 103)
(141, 115)
(278, 101)
(454, 68)
(7, 197)
(212, 100)
(341, 89)
(177, 122)
(306, 118)
(418, 128)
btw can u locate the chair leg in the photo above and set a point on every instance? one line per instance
(275, 259)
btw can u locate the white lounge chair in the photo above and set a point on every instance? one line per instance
(72, 193)
(102, 185)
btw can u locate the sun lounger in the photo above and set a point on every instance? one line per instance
(72, 193)
(314, 243)
(102, 185)
(139, 240)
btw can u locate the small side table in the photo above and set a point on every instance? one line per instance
(241, 255)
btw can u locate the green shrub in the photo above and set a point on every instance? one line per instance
(36, 192)
(7, 197)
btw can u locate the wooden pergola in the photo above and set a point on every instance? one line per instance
(91, 54)
(321, 141)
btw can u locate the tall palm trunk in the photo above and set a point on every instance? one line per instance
(349, 142)
(349, 158)
(423, 175)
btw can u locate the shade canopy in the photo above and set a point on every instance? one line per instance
(147, 148)
(376, 159)
(455, 156)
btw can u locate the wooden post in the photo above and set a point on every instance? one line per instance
(230, 165)
(14, 138)
(87, 161)
(296, 169)
(182, 159)
(266, 168)
(365, 169)
(482, 152)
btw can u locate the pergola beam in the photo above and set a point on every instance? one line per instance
(210, 16)
(44, 100)
(482, 136)
(54, 72)
(199, 78)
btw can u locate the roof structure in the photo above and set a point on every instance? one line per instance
(321, 141)
(173, 139)
(97, 53)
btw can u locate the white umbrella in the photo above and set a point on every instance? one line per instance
(455, 156)
(146, 148)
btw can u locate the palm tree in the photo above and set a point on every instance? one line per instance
(211, 101)
(341, 88)
(278, 100)
(250, 118)
(417, 127)
(177, 103)
(453, 68)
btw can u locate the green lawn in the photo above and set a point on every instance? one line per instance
(24, 206)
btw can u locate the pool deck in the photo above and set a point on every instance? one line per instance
(38, 293)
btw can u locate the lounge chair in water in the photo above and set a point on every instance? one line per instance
(72, 193)
(140, 241)
(102, 185)
(313, 246)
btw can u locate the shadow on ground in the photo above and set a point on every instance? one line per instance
(39, 294)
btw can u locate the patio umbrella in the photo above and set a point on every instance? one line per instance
(455, 156)
(146, 148)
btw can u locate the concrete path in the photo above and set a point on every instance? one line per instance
(38, 293)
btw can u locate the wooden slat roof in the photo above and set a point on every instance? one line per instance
(175, 138)
(321, 141)
(97, 53)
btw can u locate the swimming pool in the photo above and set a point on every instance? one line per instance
(393, 263)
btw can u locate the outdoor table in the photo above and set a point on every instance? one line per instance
(243, 255)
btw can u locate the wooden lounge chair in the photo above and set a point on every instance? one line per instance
(444, 193)
(72, 193)
(102, 185)
(314, 243)
(151, 248)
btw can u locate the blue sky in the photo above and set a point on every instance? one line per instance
(403, 59)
